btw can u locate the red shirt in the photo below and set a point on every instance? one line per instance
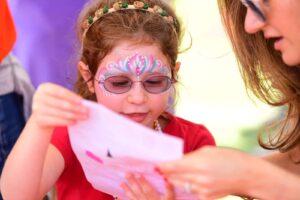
(72, 184)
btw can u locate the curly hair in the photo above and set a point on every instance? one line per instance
(136, 25)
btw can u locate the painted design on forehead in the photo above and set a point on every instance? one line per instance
(136, 65)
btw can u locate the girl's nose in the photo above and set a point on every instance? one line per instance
(253, 23)
(137, 94)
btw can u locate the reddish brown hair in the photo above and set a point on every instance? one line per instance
(135, 25)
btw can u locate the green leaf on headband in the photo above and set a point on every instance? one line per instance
(90, 20)
(105, 9)
(146, 6)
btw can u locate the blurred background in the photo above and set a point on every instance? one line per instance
(211, 90)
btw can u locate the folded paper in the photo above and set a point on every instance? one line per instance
(109, 146)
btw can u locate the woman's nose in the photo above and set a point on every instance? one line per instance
(137, 94)
(253, 23)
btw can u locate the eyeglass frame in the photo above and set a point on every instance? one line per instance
(255, 8)
(170, 83)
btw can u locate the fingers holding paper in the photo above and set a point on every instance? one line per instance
(54, 105)
(209, 172)
(138, 188)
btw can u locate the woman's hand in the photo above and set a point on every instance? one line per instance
(54, 106)
(138, 188)
(212, 172)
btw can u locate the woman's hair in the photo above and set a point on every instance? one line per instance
(264, 73)
(135, 25)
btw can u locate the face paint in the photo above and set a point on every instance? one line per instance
(171, 101)
(134, 61)
(136, 66)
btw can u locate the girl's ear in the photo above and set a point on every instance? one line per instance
(86, 75)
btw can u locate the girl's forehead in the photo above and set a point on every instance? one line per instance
(136, 63)
(134, 59)
(127, 48)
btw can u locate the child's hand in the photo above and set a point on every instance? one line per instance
(54, 106)
(138, 188)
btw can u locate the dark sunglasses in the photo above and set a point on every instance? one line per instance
(256, 8)
(122, 84)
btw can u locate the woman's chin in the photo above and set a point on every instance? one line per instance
(291, 60)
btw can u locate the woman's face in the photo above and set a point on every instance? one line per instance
(282, 25)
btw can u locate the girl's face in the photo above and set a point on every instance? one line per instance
(134, 80)
(282, 24)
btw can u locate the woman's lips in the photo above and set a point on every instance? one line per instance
(278, 43)
(137, 117)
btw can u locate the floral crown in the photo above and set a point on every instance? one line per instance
(137, 5)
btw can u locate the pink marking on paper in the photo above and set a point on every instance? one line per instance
(93, 156)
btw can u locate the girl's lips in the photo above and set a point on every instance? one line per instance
(137, 117)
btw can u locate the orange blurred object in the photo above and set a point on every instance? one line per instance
(7, 30)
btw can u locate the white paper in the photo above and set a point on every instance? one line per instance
(108, 146)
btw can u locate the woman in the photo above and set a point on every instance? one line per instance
(266, 40)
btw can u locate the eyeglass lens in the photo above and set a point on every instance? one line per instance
(256, 8)
(122, 84)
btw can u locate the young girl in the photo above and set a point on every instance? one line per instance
(266, 40)
(127, 63)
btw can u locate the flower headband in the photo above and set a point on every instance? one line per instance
(137, 5)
